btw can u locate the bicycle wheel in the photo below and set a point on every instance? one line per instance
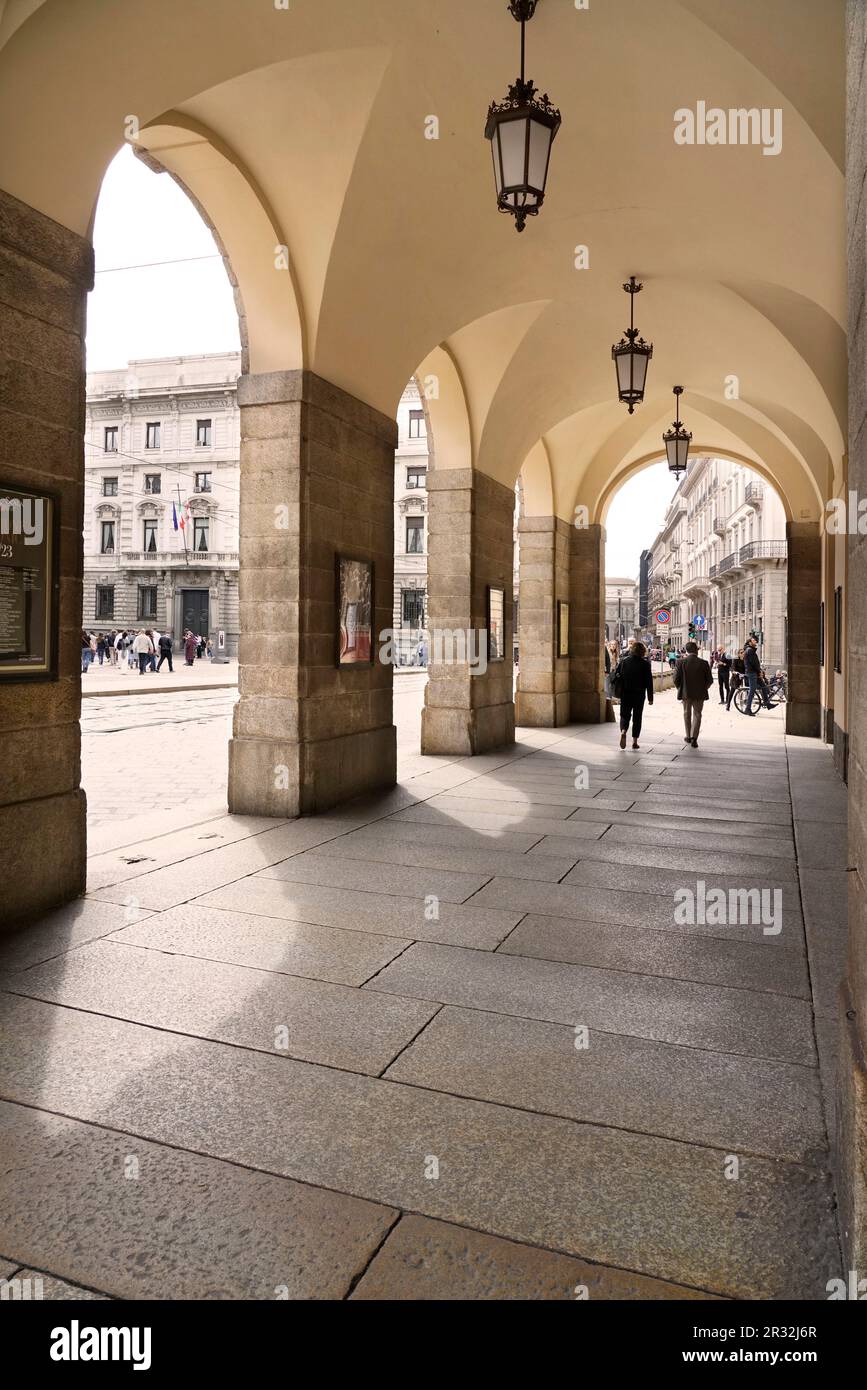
(740, 699)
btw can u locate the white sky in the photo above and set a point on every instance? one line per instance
(170, 310)
(165, 311)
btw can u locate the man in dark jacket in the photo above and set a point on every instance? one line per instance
(693, 679)
(633, 679)
(753, 672)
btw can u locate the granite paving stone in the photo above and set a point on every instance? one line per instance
(682, 859)
(768, 847)
(503, 806)
(482, 820)
(633, 1201)
(437, 1261)
(62, 930)
(680, 956)
(185, 1226)
(179, 883)
(266, 943)
(468, 925)
(769, 1108)
(60, 1290)
(309, 1019)
(694, 1015)
(385, 848)
(329, 869)
(158, 852)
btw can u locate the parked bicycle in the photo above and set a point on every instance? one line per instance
(777, 692)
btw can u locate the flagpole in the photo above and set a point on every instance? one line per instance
(181, 524)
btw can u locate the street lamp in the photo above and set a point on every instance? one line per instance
(521, 129)
(631, 356)
(677, 441)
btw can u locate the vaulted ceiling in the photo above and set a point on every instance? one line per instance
(305, 127)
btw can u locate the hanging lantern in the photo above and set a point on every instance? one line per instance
(521, 129)
(631, 356)
(677, 441)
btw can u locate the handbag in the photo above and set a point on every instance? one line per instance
(617, 681)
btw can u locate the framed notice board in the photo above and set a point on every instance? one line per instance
(29, 584)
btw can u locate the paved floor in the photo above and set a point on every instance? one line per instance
(459, 1041)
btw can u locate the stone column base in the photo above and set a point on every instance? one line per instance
(534, 711)
(851, 1140)
(274, 777)
(465, 732)
(804, 719)
(44, 856)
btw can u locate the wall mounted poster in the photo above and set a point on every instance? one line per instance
(562, 628)
(496, 624)
(354, 612)
(29, 531)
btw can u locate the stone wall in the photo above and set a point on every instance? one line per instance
(45, 272)
(317, 473)
(542, 699)
(852, 1077)
(804, 707)
(470, 547)
(587, 624)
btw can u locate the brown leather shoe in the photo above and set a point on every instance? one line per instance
(623, 739)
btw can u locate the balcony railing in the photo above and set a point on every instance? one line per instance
(713, 572)
(764, 550)
(754, 494)
(698, 584)
(719, 525)
(729, 562)
(177, 557)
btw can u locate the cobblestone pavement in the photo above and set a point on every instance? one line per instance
(447, 1042)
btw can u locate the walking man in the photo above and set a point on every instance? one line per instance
(165, 649)
(753, 671)
(143, 647)
(693, 679)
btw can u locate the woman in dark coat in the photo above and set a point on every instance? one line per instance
(633, 681)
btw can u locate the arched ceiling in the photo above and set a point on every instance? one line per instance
(306, 127)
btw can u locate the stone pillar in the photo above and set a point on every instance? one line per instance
(542, 699)
(317, 480)
(803, 710)
(852, 1074)
(45, 273)
(468, 709)
(587, 625)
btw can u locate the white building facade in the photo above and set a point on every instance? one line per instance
(162, 446)
(410, 529)
(720, 561)
(621, 608)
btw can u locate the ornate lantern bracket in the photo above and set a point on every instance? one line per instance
(521, 129)
(677, 441)
(631, 355)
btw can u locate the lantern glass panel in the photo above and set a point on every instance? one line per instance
(540, 149)
(495, 152)
(513, 144)
(636, 363)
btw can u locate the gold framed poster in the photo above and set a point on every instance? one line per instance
(354, 579)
